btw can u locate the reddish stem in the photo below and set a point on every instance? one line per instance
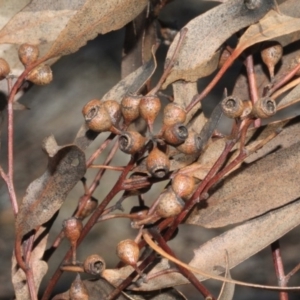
(252, 83)
(186, 273)
(284, 80)
(279, 269)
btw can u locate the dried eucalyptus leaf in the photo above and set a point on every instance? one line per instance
(45, 195)
(93, 18)
(238, 242)
(198, 56)
(271, 26)
(252, 190)
(140, 37)
(9, 8)
(284, 139)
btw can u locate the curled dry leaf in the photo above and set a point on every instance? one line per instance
(45, 195)
(93, 18)
(252, 190)
(198, 56)
(239, 246)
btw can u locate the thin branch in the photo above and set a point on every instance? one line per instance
(186, 273)
(252, 84)
(279, 269)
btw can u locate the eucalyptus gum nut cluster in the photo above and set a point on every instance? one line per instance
(130, 108)
(4, 68)
(173, 114)
(40, 75)
(175, 134)
(131, 142)
(157, 163)
(192, 145)
(28, 54)
(169, 204)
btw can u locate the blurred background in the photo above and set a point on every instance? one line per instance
(56, 109)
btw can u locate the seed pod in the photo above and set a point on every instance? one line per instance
(78, 290)
(157, 163)
(175, 134)
(96, 116)
(130, 108)
(72, 228)
(4, 68)
(149, 109)
(264, 108)
(40, 75)
(28, 54)
(234, 107)
(131, 142)
(183, 185)
(225, 54)
(94, 264)
(271, 55)
(89, 207)
(114, 110)
(169, 204)
(192, 144)
(173, 114)
(128, 251)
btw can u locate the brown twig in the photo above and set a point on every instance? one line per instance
(279, 269)
(186, 273)
(292, 272)
(284, 80)
(168, 69)
(252, 84)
